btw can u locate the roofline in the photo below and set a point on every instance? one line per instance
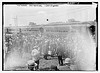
(55, 24)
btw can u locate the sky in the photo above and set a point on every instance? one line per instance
(23, 15)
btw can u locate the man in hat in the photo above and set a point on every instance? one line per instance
(32, 65)
(36, 56)
(67, 62)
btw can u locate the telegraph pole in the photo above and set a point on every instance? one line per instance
(15, 21)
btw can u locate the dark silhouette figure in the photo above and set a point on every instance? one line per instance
(37, 62)
(60, 60)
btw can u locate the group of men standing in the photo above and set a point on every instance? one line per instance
(33, 64)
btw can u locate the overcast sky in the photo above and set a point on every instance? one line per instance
(62, 13)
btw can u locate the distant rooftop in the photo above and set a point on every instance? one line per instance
(68, 23)
(59, 24)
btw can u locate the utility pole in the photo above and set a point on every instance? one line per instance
(16, 21)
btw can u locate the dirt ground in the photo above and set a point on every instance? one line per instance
(44, 65)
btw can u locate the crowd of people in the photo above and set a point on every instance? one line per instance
(65, 46)
(38, 46)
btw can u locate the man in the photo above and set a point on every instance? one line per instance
(60, 58)
(67, 61)
(32, 65)
(36, 56)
